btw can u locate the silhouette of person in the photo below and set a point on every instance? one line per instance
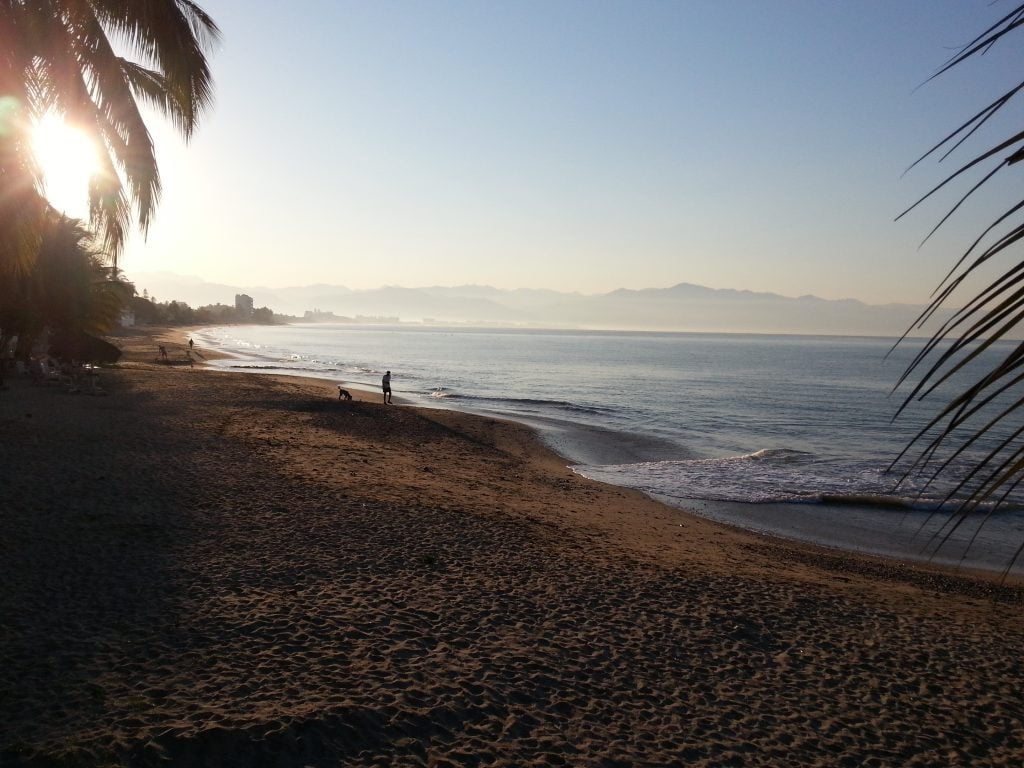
(190, 344)
(385, 384)
(163, 352)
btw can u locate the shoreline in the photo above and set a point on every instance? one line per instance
(857, 529)
(554, 459)
(559, 463)
(218, 569)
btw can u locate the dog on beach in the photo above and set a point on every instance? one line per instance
(344, 394)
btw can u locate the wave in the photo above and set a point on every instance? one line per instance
(778, 476)
(279, 367)
(868, 500)
(261, 367)
(562, 405)
(778, 455)
(504, 403)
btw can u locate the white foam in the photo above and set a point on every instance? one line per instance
(765, 476)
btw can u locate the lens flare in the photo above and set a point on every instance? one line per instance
(9, 107)
(67, 159)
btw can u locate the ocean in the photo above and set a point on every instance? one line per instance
(787, 435)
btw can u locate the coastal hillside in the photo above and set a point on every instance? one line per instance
(683, 307)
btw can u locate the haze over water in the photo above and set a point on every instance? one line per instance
(788, 435)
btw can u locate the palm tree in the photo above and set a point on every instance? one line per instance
(60, 55)
(78, 292)
(981, 418)
(68, 291)
(21, 205)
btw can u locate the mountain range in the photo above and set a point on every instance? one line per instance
(683, 307)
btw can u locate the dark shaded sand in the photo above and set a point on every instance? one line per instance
(207, 569)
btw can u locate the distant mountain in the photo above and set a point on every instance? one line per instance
(696, 308)
(683, 307)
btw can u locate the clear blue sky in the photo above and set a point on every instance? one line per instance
(575, 145)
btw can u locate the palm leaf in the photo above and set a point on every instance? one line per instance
(992, 314)
(174, 37)
(57, 54)
(989, 409)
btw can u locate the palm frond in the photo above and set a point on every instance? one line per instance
(115, 118)
(966, 130)
(990, 410)
(173, 36)
(57, 55)
(1001, 147)
(985, 40)
(21, 206)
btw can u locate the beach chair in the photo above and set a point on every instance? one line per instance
(51, 373)
(92, 377)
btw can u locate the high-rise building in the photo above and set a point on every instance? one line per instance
(243, 303)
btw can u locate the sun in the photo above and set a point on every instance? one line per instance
(67, 159)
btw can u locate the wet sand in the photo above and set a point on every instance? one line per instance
(205, 568)
(980, 541)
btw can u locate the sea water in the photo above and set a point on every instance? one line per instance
(788, 435)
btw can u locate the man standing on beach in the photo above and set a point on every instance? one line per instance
(385, 384)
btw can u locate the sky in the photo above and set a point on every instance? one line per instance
(577, 146)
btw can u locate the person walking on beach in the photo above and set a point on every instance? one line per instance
(190, 345)
(385, 384)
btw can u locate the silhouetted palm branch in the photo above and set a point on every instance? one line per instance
(978, 421)
(21, 205)
(57, 55)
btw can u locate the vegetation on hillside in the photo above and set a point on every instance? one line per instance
(147, 311)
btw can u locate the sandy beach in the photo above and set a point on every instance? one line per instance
(216, 569)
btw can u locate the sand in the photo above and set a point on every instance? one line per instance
(217, 569)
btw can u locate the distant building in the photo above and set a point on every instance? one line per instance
(243, 304)
(321, 316)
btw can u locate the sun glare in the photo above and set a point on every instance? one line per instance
(67, 159)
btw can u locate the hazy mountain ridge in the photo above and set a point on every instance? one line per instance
(682, 307)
